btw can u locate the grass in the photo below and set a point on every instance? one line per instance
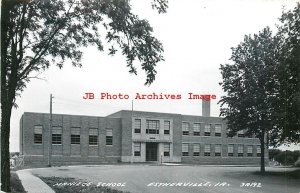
(295, 174)
(16, 185)
(51, 181)
(268, 176)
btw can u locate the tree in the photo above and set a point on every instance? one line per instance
(263, 84)
(249, 83)
(287, 104)
(36, 34)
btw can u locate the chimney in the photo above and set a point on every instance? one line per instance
(205, 108)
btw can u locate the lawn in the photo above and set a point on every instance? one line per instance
(295, 174)
(72, 185)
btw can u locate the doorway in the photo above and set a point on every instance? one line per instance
(151, 151)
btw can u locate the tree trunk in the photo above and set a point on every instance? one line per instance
(262, 157)
(6, 100)
(5, 156)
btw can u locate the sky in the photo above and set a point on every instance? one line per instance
(197, 36)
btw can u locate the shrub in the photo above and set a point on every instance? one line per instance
(285, 158)
(297, 163)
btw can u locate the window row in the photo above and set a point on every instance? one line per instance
(208, 151)
(152, 126)
(241, 134)
(197, 128)
(56, 137)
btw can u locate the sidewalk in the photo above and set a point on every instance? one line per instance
(33, 184)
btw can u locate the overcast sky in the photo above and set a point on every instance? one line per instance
(197, 36)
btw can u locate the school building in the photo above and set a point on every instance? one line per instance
(133, 136)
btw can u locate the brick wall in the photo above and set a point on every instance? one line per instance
(66, 153)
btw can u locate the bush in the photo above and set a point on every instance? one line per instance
(273, 153)
(285, 158)
(289, 160)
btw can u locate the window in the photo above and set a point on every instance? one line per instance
(109, 137)
(75, 135)
(218, 130)
(207, 150)
(137, 125)
(38, 134)
(185, 128)
(167, 127)
(185, 149)
(250, 151)
(258, 151)
(241, 133)
(207, 130)
(218, 150)
(196, 149)
(152, 127)
(137, 149)
(240, 151)
(56, 135)
(93, 137)
(230, 150)
(197, 129)
(167, 149)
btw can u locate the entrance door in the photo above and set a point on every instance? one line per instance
(151, 151)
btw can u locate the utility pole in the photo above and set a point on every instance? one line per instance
(0, 149)
(50, 132)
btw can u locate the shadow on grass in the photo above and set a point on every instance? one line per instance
(295, 174)
(72, 185)
(16, 185)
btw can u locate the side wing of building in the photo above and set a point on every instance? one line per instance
(73, 139)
